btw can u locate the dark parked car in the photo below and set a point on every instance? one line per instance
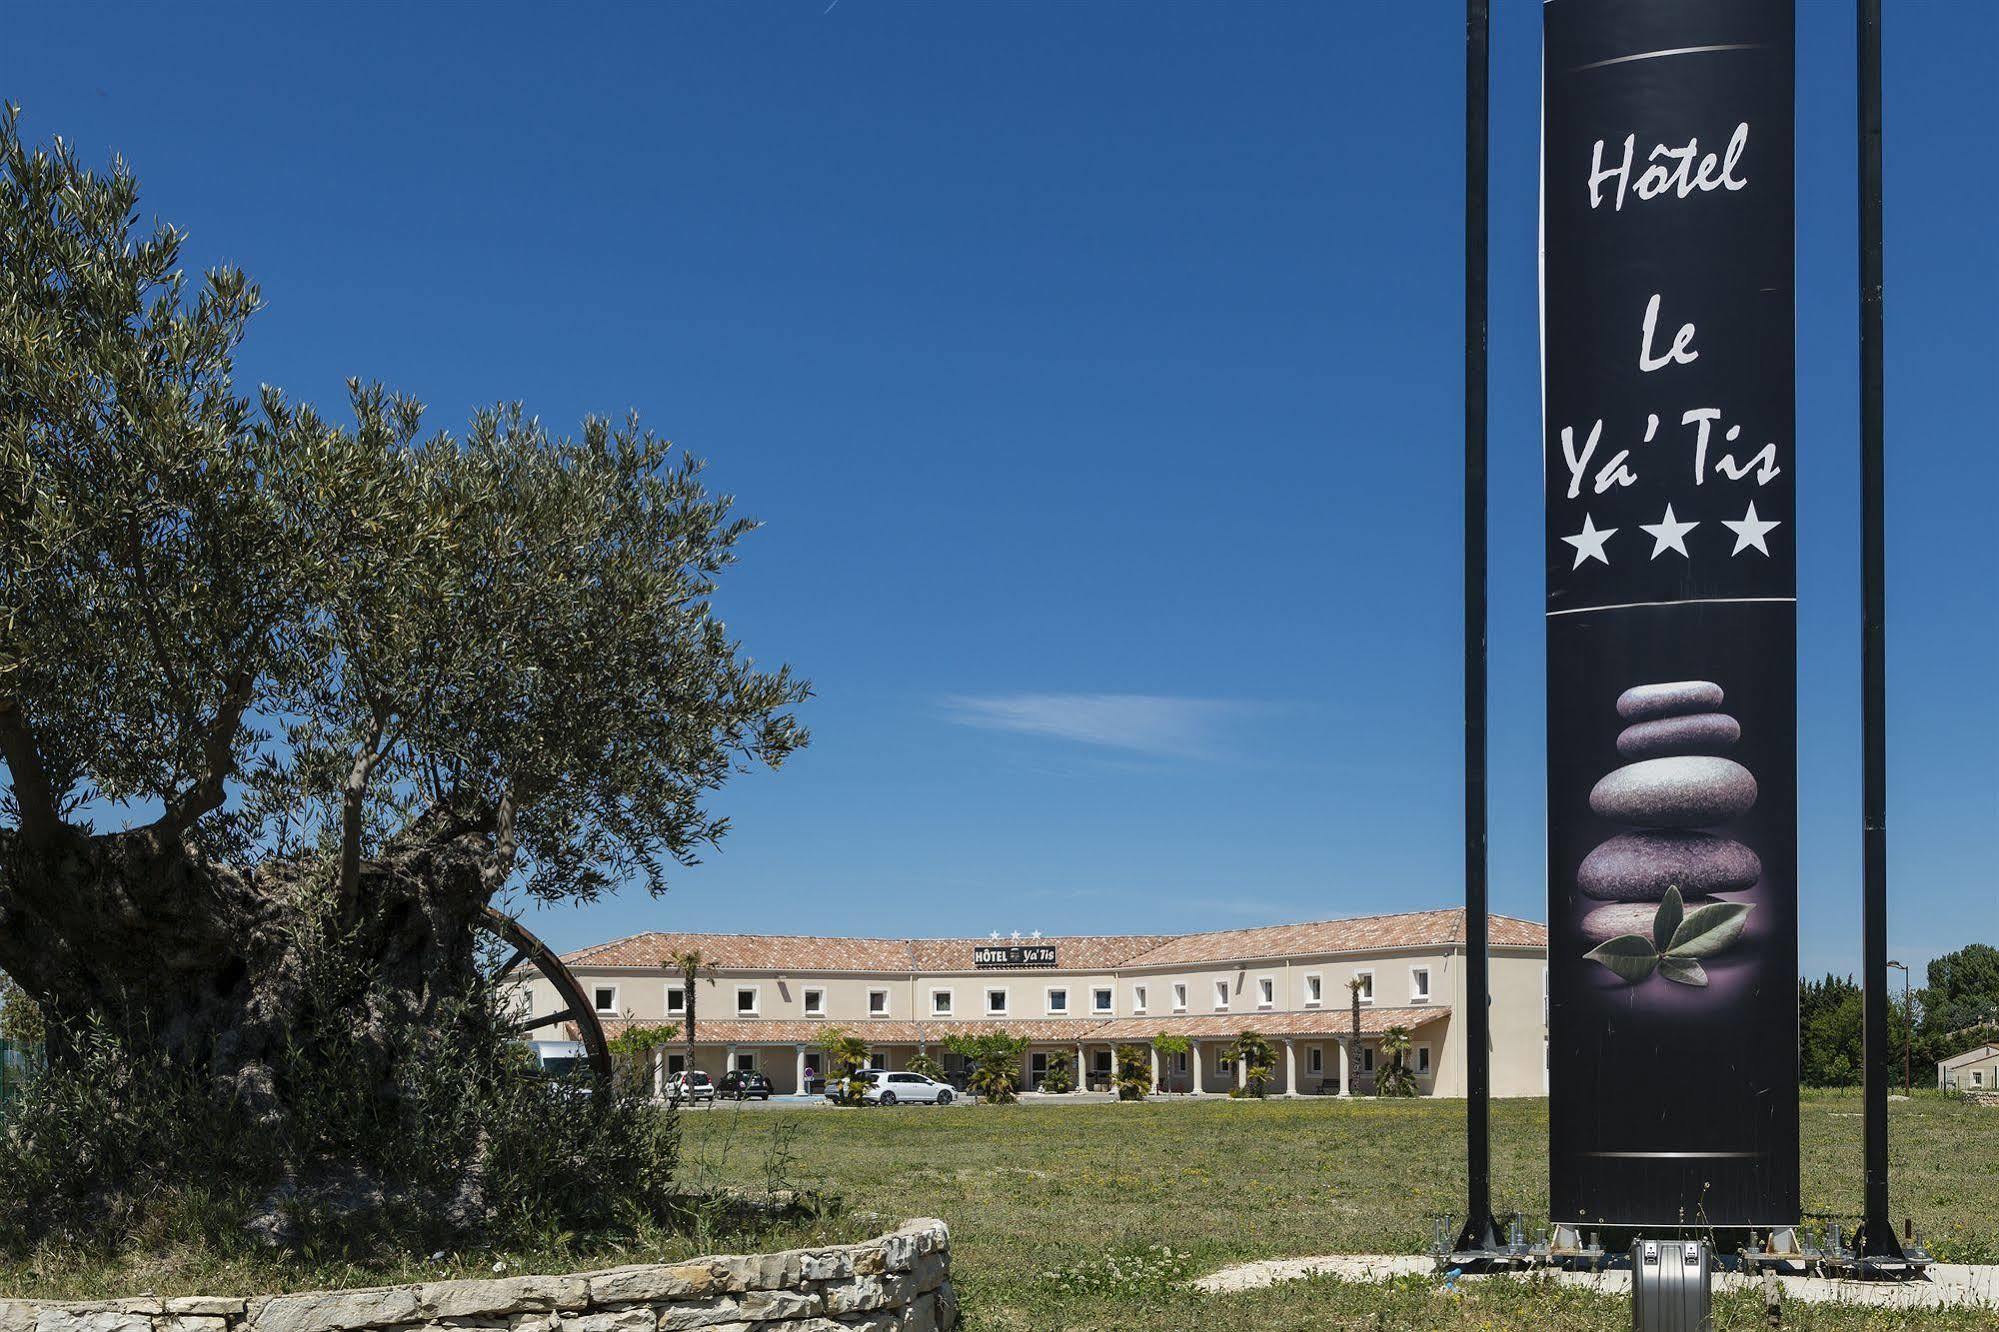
(744, 1087)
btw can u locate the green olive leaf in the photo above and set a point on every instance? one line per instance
(1631, 956)
(1668, 919)
(1708, 930)
(1684, 970)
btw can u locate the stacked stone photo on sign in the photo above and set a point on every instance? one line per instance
(1660, 883)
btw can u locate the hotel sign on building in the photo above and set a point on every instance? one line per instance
(1013, 955)
(1323, 993)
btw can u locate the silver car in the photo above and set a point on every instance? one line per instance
(884, 1088)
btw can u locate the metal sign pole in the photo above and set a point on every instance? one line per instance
(1877, 1230)
(1480, 1233)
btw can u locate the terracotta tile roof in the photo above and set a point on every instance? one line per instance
(1356, 934)
(750, 952)
(1077, 952)
(1324, 1024)
(875, 1031)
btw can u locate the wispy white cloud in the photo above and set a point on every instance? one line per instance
(1152, 724)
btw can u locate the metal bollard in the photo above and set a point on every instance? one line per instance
(1672, 1286)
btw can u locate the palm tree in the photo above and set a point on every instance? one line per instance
(691, 966)
(1353, 1050)
(1396, 1079)
(1258, 1059)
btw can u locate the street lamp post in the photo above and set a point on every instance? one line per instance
(1908, 1027)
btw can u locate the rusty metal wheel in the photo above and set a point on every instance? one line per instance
(532, 952)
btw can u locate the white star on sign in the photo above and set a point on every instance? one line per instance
(1589, 542)
(1668, 534)
(1750, 530)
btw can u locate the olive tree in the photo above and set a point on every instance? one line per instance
(271, 682)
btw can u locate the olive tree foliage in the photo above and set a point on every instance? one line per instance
(266, 675)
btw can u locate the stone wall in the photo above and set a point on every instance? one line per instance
(900, 1282)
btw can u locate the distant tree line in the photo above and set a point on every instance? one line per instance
(1955, 1010)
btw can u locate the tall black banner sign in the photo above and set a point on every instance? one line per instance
(1667, 351)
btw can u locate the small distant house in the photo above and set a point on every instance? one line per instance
(1975, 1070)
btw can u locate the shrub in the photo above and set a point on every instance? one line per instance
(1134, 1072)
(845, 1056)
(1060, 1079)
(1132, 1276)
(995, 1060)
(473, 1144)
(1397, 1079)
(1258, 1059)
(927, 1066)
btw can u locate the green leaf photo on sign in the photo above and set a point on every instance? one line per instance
(1631, 956)
(1668, 919)
(1708, 930)
(1683, 969)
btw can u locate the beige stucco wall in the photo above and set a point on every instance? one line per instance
(1517, 1015)
(1961, 1076)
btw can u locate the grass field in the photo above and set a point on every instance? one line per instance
(1042, 1198)
(1060, 1212)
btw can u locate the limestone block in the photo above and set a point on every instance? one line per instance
(898, 1250)
(929, 1270)
(634, 1285)
(825, 1264)
(19, 1315)
(510, 1295)
(716, 1312)
(632, 1318)
(190, 1323)
(338, 1310)
(769, 1305)
(947, 1308)
(205, 1306)
(90, 1318)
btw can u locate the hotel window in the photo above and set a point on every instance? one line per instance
(1315, 991)
(1423, 1060)
(815, 1003)
(996, 1002)
(1138, 998)
(746, 1062)
(676, 1063)
(1180, 1062)
(877, 1003)
(1266, 992)
(1058, 1001)
(605, 998)
(1419, 985)
(1367, 1059)
(746, 1000)
(1366, 979)
(1978, 1077)
(1315, 1060)
(1224, 1065)
(676, 999)
(1100, 1001)
(940, 1003)
(1222, 996)
(1179, 998)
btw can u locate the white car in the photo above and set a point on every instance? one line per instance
(694, 1086)
(884, 1088)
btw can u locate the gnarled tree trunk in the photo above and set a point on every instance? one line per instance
(208, 963)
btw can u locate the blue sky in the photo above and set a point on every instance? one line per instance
(1097, 372)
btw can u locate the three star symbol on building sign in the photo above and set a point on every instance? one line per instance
(1669, 534)
(1589, 542)
(1750, 530)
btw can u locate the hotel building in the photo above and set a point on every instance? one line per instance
(763, 1001)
